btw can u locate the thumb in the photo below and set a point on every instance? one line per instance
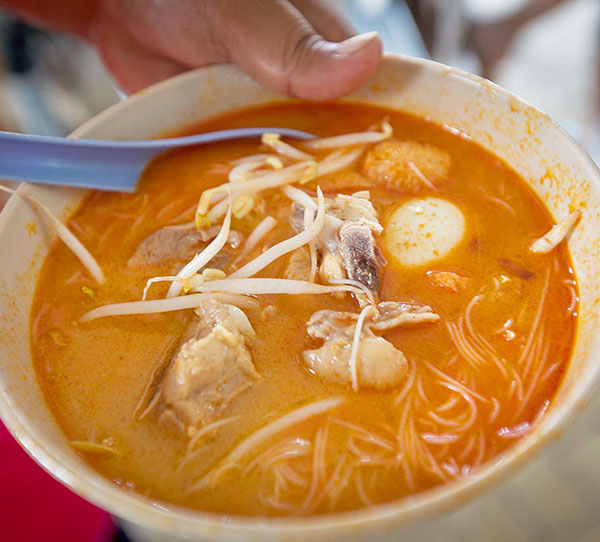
(322, 70)
(274, 43)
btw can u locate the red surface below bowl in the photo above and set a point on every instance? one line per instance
(35, 507)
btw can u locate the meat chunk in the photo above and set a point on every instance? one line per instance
(392, 314)
(380, 365)
(346, 244)
(362, 257)
(354, 208)
(212, 367)
(407, 166)
(341, 208)
(175, 243)
(331, 267)
(165, 245)
(448, 280)
(298, 267)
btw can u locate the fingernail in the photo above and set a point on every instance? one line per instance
(355, 43)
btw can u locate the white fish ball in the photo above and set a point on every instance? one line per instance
(423, 230)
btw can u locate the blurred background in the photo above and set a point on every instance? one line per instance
(546, 51)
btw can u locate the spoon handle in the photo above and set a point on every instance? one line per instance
(100, 164)
(57, 161)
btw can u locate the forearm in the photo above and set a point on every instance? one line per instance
(73, 16)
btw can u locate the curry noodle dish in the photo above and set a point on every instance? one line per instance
(285, 327)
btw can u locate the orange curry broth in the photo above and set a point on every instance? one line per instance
(94, 375)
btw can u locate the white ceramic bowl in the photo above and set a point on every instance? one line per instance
(544, 155)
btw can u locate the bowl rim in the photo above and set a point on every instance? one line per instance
(187, 522)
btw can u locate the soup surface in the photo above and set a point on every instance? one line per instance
(351, 416)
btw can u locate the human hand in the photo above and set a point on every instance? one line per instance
(302, 48)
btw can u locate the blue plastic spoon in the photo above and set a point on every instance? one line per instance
(100, 164)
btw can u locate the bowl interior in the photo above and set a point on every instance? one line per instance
(554, 166)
